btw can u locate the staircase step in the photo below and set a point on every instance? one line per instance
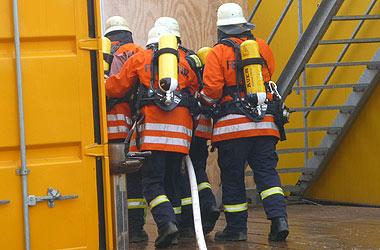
(333, 86)
(349, 41)
(342, 108)
(316, 150)
(291, 188)
(357, 17)
(330, 130)
(369, 64)
(296, 170)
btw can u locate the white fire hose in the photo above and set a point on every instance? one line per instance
(196, 208)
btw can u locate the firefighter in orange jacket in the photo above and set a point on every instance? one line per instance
(119, 122)
(237, 135)
(167, 134)
(198, 150)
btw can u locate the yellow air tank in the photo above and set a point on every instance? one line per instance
(106, 48)
(202, 54)
(253, 75)
(168, 65)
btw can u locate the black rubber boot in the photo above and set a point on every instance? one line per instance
(165, 235)
(187, 232)
(175, 240)
(138, 236)
(209, 218)
(229, 235)
(279, 229)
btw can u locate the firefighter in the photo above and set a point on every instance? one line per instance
(119, 121)
(165, 128)
(198, 151)
(241, 132)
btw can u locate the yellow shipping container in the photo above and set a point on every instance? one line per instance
(65, 128)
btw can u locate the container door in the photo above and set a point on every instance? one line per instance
(63, 127)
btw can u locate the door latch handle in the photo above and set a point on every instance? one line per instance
(52, 196)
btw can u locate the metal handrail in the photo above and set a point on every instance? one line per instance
(340, 57)
(279, 21)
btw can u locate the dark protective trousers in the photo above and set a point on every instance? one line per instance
(198, 155)
(136, 216)
(260, 152)
(161, 178)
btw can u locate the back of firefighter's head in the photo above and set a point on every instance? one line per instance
(171, 24)
(231, 19)
(116, 23)
(155, 33)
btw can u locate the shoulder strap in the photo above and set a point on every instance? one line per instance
(190, 57)
(115, 47)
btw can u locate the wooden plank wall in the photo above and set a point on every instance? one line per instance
(197, 21)
(197, 18)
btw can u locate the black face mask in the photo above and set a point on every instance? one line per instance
(122, 36)
(246, 34)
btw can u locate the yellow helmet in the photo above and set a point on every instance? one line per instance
(116, 23)
(170, 23)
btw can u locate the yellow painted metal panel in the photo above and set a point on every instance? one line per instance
(59, 124)
(341, 181)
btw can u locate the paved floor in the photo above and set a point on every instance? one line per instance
(311, 227)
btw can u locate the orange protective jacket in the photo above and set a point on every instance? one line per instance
(119, 120)
(160, 130)
(220, 71)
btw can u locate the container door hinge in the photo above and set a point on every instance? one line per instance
(21, 171)
(90, 44)
(52, 196)
(4, 201)
(96, 150)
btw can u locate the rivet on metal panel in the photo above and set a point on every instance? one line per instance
(21, 171)
(90, 44)
(95, 150)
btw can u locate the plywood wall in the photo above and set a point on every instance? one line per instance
(197, 18)
(197, 21)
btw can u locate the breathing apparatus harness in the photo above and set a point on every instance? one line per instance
(157, 96)
(248, 106)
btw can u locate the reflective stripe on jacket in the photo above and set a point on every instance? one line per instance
(204, 127)
(220, 72)
(160, 130)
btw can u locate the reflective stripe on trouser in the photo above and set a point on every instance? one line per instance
(203, 185)
(186, 201)
(161, 179)
(235, 208)
(136, 202)
(177, 210)
(271, 191)
(260, 153)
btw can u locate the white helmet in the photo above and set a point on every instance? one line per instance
(170, 23)
(155, 33)
(231, 19)
(116, 23)
(230, 13)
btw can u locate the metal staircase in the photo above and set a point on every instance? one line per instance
(310, 40)
(347, 113)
